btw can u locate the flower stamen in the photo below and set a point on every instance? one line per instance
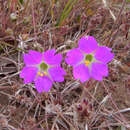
(42, 74)
(45, 73)
(38, 73)
(87, 62)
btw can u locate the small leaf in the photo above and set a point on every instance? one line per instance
(127, 0)
(86, 0)
(21, 1)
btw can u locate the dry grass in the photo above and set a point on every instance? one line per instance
(59, 24)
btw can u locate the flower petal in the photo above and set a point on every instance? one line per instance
(81, 72)
(57, 73)
(98, 70)
(88, 44)
(103, 54)
(52, 59)
(32, 58)
(43, 84)
(74, 57)
(29, 74)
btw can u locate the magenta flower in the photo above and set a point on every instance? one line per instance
(89, 60)
(42, 69)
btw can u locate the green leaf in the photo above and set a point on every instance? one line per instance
(21, 1)
(127, 0)
(86, 0)
(66, 11)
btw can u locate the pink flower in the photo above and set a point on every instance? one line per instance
(89, 60)
(42, 69)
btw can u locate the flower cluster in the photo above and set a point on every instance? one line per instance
(89, 60)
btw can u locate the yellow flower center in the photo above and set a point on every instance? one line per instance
(45, 73)
(87, 62)
(41, 74)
